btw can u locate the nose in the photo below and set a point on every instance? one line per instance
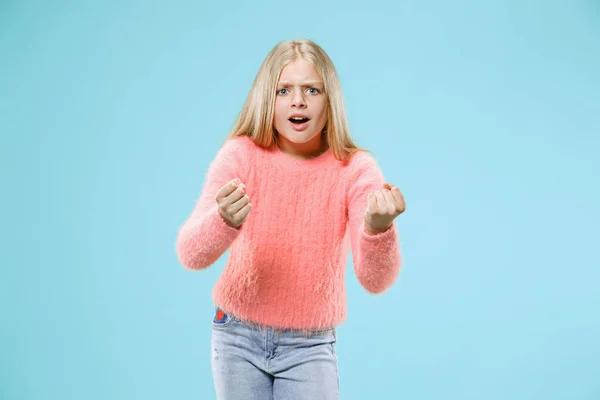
(298, 99)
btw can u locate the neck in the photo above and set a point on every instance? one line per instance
(311, 149)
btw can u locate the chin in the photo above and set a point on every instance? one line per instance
(299, 137)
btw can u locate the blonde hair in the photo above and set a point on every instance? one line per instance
(256, 117)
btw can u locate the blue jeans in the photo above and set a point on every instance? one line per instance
(255, 362)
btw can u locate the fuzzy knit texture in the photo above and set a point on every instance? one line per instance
(287, 261)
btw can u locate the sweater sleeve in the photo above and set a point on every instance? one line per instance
(205, 236)
(376, 258)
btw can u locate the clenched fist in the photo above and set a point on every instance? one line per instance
(234, 203)
(383, 207)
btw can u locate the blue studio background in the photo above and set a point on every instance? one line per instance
(485, 114)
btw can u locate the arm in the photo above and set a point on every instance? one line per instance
(205, 235)
(376, 255)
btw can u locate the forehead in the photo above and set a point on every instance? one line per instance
(299, 71)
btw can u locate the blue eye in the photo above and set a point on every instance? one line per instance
(314, 91)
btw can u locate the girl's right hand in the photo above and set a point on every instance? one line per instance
(233, 203)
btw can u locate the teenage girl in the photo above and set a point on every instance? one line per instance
(290, 194)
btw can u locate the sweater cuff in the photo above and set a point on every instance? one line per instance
(218, 226)
(378, 239)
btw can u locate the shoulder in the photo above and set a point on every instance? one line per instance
(360, 163)
(235, 148)
(363, 173)
(236, 143)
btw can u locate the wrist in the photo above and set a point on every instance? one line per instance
(374, 231)
(227, 222)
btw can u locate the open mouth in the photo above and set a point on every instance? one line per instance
(296, 120)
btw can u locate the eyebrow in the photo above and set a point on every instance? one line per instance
(309, 83)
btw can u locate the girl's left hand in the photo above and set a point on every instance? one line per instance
(383, 207)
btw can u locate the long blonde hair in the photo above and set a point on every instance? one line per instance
(256, 117)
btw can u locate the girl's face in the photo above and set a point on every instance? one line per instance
(300, 93)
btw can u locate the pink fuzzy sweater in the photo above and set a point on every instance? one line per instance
(287, 262)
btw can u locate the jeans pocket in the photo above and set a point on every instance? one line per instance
(222, 319)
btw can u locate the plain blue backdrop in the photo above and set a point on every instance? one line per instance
(485, 114)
